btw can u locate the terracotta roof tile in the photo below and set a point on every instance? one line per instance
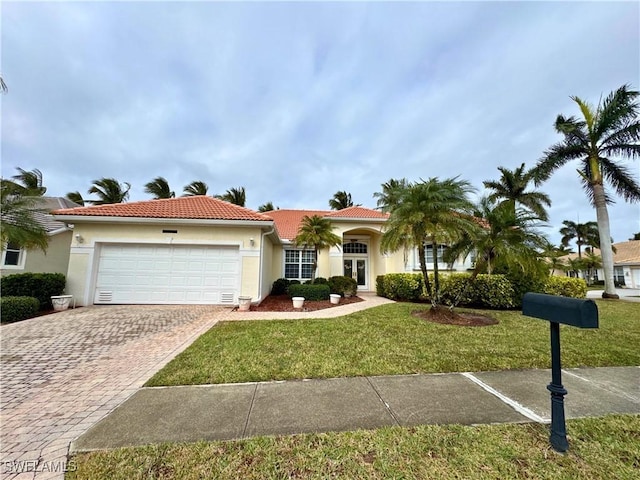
(288, 221)
(358, 212)
(195, 207)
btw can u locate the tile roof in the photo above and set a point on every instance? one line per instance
(288, 221)
(626, 252)
(194, 207)
(357, 212)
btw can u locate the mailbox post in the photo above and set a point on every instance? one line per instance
(556, 310)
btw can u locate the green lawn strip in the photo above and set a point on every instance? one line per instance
(600, 448)
(389, 340)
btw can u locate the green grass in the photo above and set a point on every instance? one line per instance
(389, 340)
(600, 448)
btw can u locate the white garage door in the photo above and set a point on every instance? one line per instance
(167, 274)
(636, 277)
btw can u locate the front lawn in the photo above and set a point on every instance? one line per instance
(600, 448)
(389, 340)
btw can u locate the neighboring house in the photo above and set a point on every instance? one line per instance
(626, 264)
(56, 257)
(202, 250)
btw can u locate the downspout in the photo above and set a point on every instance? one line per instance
(262, 237)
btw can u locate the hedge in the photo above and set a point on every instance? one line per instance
(39, 285)
(310, 292)
(280, 286)
(14, 309)
(566, 287)
(407, 287)
(486, 291)
(342, 285)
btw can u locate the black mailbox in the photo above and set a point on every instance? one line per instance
(556, 310)
(569, 311)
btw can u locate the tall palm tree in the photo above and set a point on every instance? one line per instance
(316, 233)
(237, 196)
(428, 212)
(30, 183)
(340, 201)
(159, 188)
(391, 192)
(19, 219)
(266, 207)
(603, 133)
(109, 190)
(512, 189)
(75, 197)
(584, 233)
(195, 188)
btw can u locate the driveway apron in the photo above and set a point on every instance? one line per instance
(62, 373)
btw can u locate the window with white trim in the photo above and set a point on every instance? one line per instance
(298, 264)
(440, 253)
(12, 255)
(354, 247)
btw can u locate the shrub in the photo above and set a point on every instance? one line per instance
(39, 285)
(320, 281)
(407, 287)
(14, 309)
(280, 286)
(342, 285)
(486, 291)
(380, 285)
(566, 287)
(309, 292)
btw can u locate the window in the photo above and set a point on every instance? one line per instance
(12, 255)
(354, 247)
(298, 264)
(440, 253)
(618, 275)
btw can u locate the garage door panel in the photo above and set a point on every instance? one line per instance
(167, 274)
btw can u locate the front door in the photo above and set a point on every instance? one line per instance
(356, 268)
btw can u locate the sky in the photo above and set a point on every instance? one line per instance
(296, 101)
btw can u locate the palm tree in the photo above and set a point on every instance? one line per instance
(340, 201)
(591, 262)
(506, 236)
(316, 233)
(584, 233)
(3, 86)
(30, 183)
(159, 188)
(109, 190)
(575, 265)
(267, 207)
(636, 236)
(431, 212)
(195, 188)
(19, 219)
(607, 131)
(75, 197)
(237, 196)
(392, 190)
(512, 189)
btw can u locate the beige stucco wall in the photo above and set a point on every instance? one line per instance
(54, 260)
(83, 261)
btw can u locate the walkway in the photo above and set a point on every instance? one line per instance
(234, 411)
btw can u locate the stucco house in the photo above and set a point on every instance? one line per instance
(626, 264)
(201, 250)
(56, 257)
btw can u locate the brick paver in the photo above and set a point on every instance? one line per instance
(61, 373)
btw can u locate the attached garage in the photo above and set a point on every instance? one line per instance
(167, 274)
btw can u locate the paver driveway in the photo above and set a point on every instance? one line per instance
(61, 373)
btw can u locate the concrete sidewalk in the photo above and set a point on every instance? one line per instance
(235, 411)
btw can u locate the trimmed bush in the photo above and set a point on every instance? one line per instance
(342, 285)
(14, 309)
(406, 287)
(566, 287)
(280, 286)
(486, 291)
(39, 285)
(310, 292)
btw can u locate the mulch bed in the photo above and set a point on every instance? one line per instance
(283, 303)
(446, 317)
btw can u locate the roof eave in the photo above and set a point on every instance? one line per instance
(164, 221)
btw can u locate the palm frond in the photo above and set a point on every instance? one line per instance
(621, 179)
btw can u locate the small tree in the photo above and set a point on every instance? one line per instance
(316, 233)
